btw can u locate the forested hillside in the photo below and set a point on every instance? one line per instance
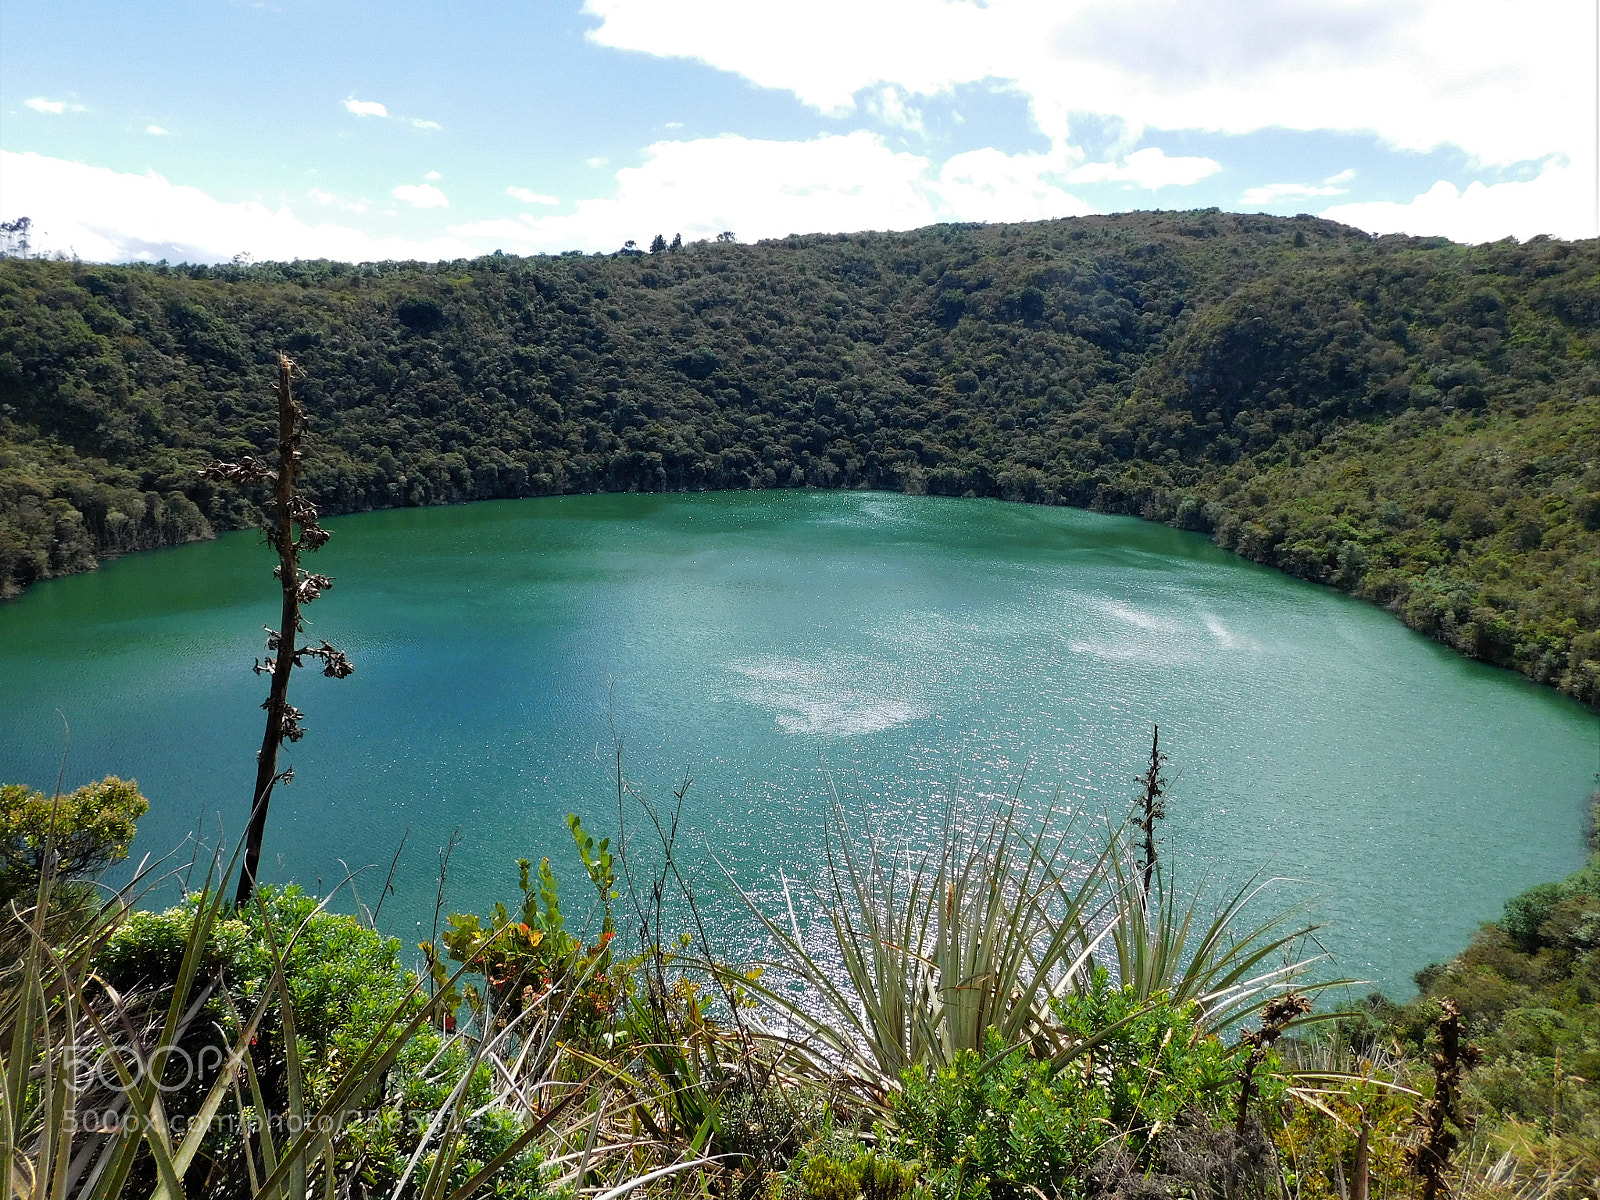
(1411, 420)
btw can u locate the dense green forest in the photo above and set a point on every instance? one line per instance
(1407, 419)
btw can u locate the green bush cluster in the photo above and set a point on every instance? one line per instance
(344, 982)
(1010, 1125)
(86, 830)
(999, 1129)
(1529, 991)
(1406, 419)
(522, 956)
(864, 1176)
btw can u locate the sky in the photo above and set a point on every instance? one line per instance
(206, 130)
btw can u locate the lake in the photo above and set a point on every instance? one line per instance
(908, 651)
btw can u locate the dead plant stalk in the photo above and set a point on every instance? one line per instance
(290, 510)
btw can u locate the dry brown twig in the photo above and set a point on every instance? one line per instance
(1441, 1117)
(1277, 1016)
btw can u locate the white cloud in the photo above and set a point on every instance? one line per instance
(1276, 193)
(157, 131)
(108, 216)
(762, 188)
(329, 199)
(365, 108)
(1505, 80)
(529, 196)
(1150, 169)
(1558, 201)
(599, 161)
(756, 188)
(988, 185)
(421, 195)
(850, 45)
(371, 108)
(889, 106)
(433, 175)
(55, 107)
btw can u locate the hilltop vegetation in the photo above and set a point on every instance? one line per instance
(1410, 420)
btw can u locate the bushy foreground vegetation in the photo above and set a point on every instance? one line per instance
(1407, 419)
(1011, 1016)
(1529, 991)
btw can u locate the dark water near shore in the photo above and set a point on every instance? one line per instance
(907, 650)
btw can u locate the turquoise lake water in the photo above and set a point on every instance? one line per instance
(910, 652)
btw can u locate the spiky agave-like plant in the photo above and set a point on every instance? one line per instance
(1223, 960)
(924, 955)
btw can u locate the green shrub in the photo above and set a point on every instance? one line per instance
(90, 829)
(1002, 1128)
(1009, 1125)
(867, 1176)
(522, 955)
(427, 1071)
(1157, 1065)
(344, 978)
(344, 981)
(1526, 912)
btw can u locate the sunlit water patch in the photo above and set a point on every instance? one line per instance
(826, 697)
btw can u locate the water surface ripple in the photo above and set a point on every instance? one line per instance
(903, 649)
